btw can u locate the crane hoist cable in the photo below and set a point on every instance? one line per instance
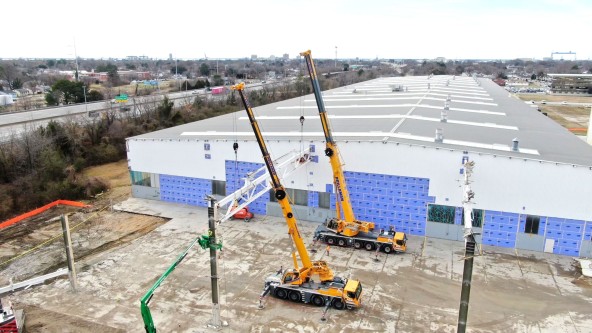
(235, 147)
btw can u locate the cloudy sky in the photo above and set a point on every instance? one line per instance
(454, 29)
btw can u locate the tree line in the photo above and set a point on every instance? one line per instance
(44, 164)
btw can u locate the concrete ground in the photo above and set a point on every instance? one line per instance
(417, 291)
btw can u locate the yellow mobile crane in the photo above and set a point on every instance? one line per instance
(347, 231)
(297, 284)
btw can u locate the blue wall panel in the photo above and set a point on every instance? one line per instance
(588, 231)
(389, 200)
(313, 199)
(567, 234)
(499, 228)
(185, 190)
(235, 174)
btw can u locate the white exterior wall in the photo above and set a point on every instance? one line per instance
(500, 183)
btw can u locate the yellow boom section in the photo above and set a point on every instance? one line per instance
(331, 149)
(280, 192)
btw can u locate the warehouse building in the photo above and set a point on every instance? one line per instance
(403, 141)
(571, 83)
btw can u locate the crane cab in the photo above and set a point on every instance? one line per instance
(353, 293)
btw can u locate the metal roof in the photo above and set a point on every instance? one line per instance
(481, 117)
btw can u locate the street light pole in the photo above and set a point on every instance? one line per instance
(335, 56)
(85, 105)
(76, 59)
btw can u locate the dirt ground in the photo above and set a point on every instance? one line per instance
(419, 291)
(573, 117)
(35, 246)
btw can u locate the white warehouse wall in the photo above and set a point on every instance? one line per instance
(500, 183)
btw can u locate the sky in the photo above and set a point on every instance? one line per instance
(368, 29)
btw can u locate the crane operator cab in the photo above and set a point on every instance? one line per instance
(291, 276)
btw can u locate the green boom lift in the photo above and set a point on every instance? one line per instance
(205, 242)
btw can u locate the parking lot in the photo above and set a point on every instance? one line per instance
(417, 291)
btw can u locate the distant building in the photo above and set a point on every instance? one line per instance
(571, 83)
(563, 55)
(286, 56)
(135, 58)
(253, 57)
(6, 99)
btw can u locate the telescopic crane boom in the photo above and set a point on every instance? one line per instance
(297, 284)
(331, 151)
(347, 231)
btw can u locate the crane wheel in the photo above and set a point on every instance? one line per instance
(357, 245)
(281, 293)
(387, 249)
(369, 246)
(341, 242)
(330, 240)
(317, 300)
(338, 304)
(295, 296)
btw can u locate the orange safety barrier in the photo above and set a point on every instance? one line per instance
(40, 210)
(578, 129)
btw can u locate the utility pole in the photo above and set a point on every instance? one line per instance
(470, 245)
(335, 56)
(85, 105)
(76, 59)
(216, 322)
(69, 253)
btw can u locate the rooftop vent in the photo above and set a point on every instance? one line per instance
(444, 115)
(515, 144)
(439, 135)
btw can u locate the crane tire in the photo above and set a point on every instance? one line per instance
(317, 300)
(295, 296)
(338, 304)
(281, 293)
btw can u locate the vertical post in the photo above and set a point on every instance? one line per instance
(69, 254)
(85, 105)
(463, 312)
(213, 264)
(335, 56)
(470, 245)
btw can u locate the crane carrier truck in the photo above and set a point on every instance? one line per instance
(347, 231)
(298, 284)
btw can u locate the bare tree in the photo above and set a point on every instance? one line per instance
(9, 72)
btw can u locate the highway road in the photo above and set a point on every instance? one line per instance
(12, 123)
